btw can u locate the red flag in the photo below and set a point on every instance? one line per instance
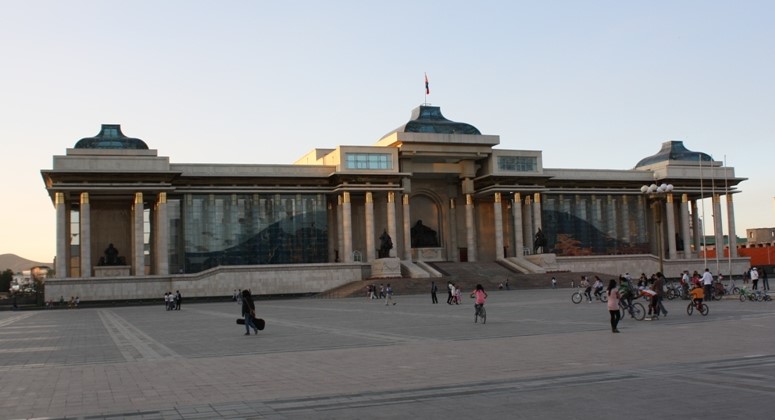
(427, 88)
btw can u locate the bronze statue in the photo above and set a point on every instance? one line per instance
(423, 236)
(386, 244)
(111, 256)
(540, 242)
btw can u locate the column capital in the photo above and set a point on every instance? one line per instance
(729, 198)
(138, 198)
(391, 197)
(369, 197)
(669, 198)
(405, 199)
(469, 199)
(517, 197)
(84, 198)
(59, 198)
(497, 197)
(346, 197)
(684, 198)
(537, 197)
(162, 198)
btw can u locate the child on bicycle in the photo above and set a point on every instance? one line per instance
(698, 294)
(480, 297)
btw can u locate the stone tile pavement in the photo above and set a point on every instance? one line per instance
(538, 356)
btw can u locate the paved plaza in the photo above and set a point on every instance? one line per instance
(538, 357)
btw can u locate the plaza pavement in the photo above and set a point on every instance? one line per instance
(538, 357)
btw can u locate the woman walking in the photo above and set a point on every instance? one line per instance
(613, 305)
(249, 312)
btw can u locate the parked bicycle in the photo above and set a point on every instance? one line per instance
(746, 294)
(719, 289)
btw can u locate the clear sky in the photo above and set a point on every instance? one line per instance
(593, 84)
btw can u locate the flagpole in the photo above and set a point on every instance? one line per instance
(728, 194)
(716, 216)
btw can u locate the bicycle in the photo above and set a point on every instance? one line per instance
(635, 309)
(578, 296)
(746, 294)
(699, 307)
(480, 312)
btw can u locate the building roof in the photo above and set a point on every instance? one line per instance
(674, 150)
(110, 137)
(428, 119)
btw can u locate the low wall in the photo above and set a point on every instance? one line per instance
(219, 281)
(636, 264)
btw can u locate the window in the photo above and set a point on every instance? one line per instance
(368, 161)
(518, 163)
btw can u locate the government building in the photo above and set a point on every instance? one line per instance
(131, 223)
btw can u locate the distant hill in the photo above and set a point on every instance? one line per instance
(18, 264)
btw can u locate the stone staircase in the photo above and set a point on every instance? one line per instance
(466, 276)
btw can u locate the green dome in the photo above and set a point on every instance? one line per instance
(111, 137)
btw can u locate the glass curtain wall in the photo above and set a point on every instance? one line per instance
(208, 230)
(594, 224)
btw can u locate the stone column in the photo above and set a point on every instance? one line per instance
(470, 233)
(391, 222)
(527, 224)
(347, 228)
(697, 232)
(671, 244)
(516, 211)
(624, 214)
(85, 227)
(731, 227)
(407, 228)
(339, 229)
(162, 237)
(371, 250)
(537, 212)
(63, 241)
(718, 229)
(453, 231)
(685, 232)
(138, 253)
(498, 214)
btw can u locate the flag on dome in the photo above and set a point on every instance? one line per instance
(427, 87)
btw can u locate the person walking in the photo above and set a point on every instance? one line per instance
(707, 282)
(249, 312)
(389, 295)
(554, 282)
(450, 290)
(434, 290)
(613, 305)
(178, 298)
(765, 281)
(480, 296)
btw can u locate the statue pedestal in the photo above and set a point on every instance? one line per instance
(112, 270)
(385, 268)
(428, 254)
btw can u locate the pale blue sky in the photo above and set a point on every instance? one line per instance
(593, 84)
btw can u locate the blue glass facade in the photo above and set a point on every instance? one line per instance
(576, 224)
(208, 230)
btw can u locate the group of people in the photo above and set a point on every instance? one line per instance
(453, 294)
(755, 274)
(172, 300)
(384, 292)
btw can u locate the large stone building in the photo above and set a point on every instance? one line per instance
(440, 189)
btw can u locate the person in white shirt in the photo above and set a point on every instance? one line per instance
(707, 282)
(755, 278)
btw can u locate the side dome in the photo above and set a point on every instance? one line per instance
(111, 137)
(674, 150)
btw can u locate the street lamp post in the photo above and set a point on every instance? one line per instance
(658, 195)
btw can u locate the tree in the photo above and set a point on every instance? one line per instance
(5, 280)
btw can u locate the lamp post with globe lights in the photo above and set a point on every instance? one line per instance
(659, 195)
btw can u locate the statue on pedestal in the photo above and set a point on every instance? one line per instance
(386, 244)
(540, 242)
(423, 236)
